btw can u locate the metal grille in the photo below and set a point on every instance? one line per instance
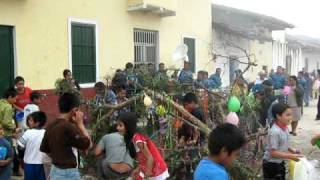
(145, 46)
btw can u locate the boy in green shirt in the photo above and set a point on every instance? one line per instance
(7, 111)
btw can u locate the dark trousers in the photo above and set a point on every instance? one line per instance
(274, 171)
(318, 114)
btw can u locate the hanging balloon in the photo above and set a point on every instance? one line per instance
(318, 143)
(232, 118)
(287, 90)
(234, 104)
(147, 101)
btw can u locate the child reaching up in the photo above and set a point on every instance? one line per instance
(151, 164)
(31, 141)
(277, 149)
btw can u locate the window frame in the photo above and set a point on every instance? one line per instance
(157, 45)
(195, 50)
(96, 27)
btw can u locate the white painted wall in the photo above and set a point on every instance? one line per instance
(281, 51)
(313, 59)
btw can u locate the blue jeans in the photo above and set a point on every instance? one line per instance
(6, 172)
(34, 171)
(306, 98)
(60, 174)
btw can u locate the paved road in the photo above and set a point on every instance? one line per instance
(307, 128)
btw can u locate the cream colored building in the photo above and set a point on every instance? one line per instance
(238, 34)
(93, 38)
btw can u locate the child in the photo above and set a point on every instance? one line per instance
(188, 135)
(6, 113)
(35, 98)
(5, 157)
(23, 97)
(295, 101)
(277, 148)
(121, 98)
(224, 146)
(116, 162)
(151, 164)
(64, 136)
(31, 141)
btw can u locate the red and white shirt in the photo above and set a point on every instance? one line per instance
(23, 98)
(159, 167)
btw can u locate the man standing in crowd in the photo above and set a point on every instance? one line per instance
(216, 79)
(185, 76)
(278, 79)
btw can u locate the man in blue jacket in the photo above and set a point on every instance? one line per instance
(216, 78)
(278, 79)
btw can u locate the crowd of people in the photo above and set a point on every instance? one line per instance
(50, 150)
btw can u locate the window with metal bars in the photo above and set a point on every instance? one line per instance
(145, 46)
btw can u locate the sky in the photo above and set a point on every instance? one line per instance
(304, 14)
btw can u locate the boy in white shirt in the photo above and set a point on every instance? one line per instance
(35, 99)
(31, 141)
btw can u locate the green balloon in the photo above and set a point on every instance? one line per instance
(234, 104)
(318, 143)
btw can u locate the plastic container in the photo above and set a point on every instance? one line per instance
(19, 116)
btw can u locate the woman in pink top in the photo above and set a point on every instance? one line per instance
(151, 164)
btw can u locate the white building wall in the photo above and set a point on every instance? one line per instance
(280, 53)
(313, 60)
(224, 45)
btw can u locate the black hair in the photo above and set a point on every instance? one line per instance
(35, 95)
(67, 102)
(294, 78)
(129, 65)
(10, 92)
(120, 88)
(129, 120)
(226, 136)
(65, 72)
(190, 98)
(267, 83)
(18, 79)
(279, 109)
(161, 64)
(100, 85)
(38, 116)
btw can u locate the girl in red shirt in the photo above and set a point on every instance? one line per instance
(151, 164)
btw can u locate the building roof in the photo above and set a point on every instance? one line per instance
(305, 42)
(247, 24)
